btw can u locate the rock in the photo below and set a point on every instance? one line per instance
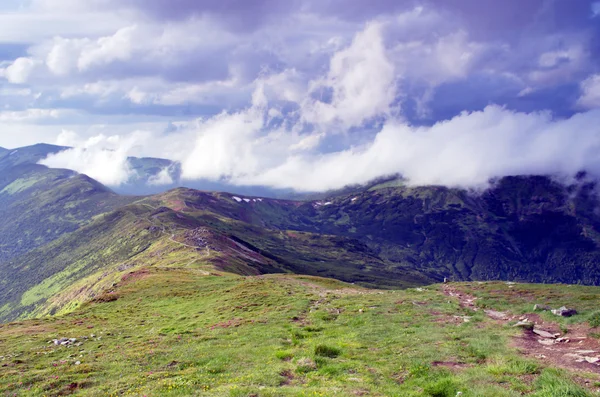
(496, 315)
(564, 312)
(547, 342)
(77, 362)
(538, 307)
(525, 325)
(543, 334)
(592, 360)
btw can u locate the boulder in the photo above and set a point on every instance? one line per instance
(564, 312)
(539, 307)
(543, 334)
(525, 325)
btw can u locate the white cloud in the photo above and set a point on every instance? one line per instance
(19, 71)
(361, 80)
(33, 115)
(466, 151)
(103, 158)
(118, 47)
(590, 92)
(68, 138)
(162, 178)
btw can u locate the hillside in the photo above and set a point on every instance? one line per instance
(528, 229)
(523, 228)
(27, 155)
(148, 175)
(39, 205)
(187, 332)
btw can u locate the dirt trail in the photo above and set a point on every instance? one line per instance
(575, 350)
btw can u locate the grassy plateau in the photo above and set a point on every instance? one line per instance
(199, 332)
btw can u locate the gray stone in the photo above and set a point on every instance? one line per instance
(564, 312)
(543, 334)
(525, 325)
(538, 307)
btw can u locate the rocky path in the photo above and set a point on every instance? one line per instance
(542, 340)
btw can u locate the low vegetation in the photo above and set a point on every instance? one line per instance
(177, 332)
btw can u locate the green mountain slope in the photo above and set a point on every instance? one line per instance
(179, 332)
(389, 236)
(524, 228)
(27, 155)
(39, 205)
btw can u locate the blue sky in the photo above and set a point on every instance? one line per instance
(307, 94)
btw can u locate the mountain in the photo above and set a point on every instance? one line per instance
(39, 205)
(27, 155)
(389, 235)
(3, 151)
(167, 294)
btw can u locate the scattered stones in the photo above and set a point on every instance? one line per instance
(496, 315)
(543, 334)
(525, 324)
(564, 312)
(538, 307)
(546, 342)
(581, 357)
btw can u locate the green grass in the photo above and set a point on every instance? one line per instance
(175, 332)
(520, 299)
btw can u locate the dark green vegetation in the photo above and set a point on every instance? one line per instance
(39, 205)
(196, 331)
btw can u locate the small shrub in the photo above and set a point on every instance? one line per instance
(284, 355)
(445, 387)
(327, 351)
(594, 319)
(106, 297)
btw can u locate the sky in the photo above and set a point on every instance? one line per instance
(306, 94)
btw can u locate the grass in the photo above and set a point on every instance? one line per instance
(175, 332)
(520, 299)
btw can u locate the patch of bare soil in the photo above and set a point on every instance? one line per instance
(575, 350)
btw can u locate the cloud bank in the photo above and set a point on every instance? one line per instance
(304, 94)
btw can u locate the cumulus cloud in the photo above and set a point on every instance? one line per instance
(590, 88)
(309, 95)
(162, 178)
(19, 71)
(361, 80)
(467, 150)
(103, 158)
